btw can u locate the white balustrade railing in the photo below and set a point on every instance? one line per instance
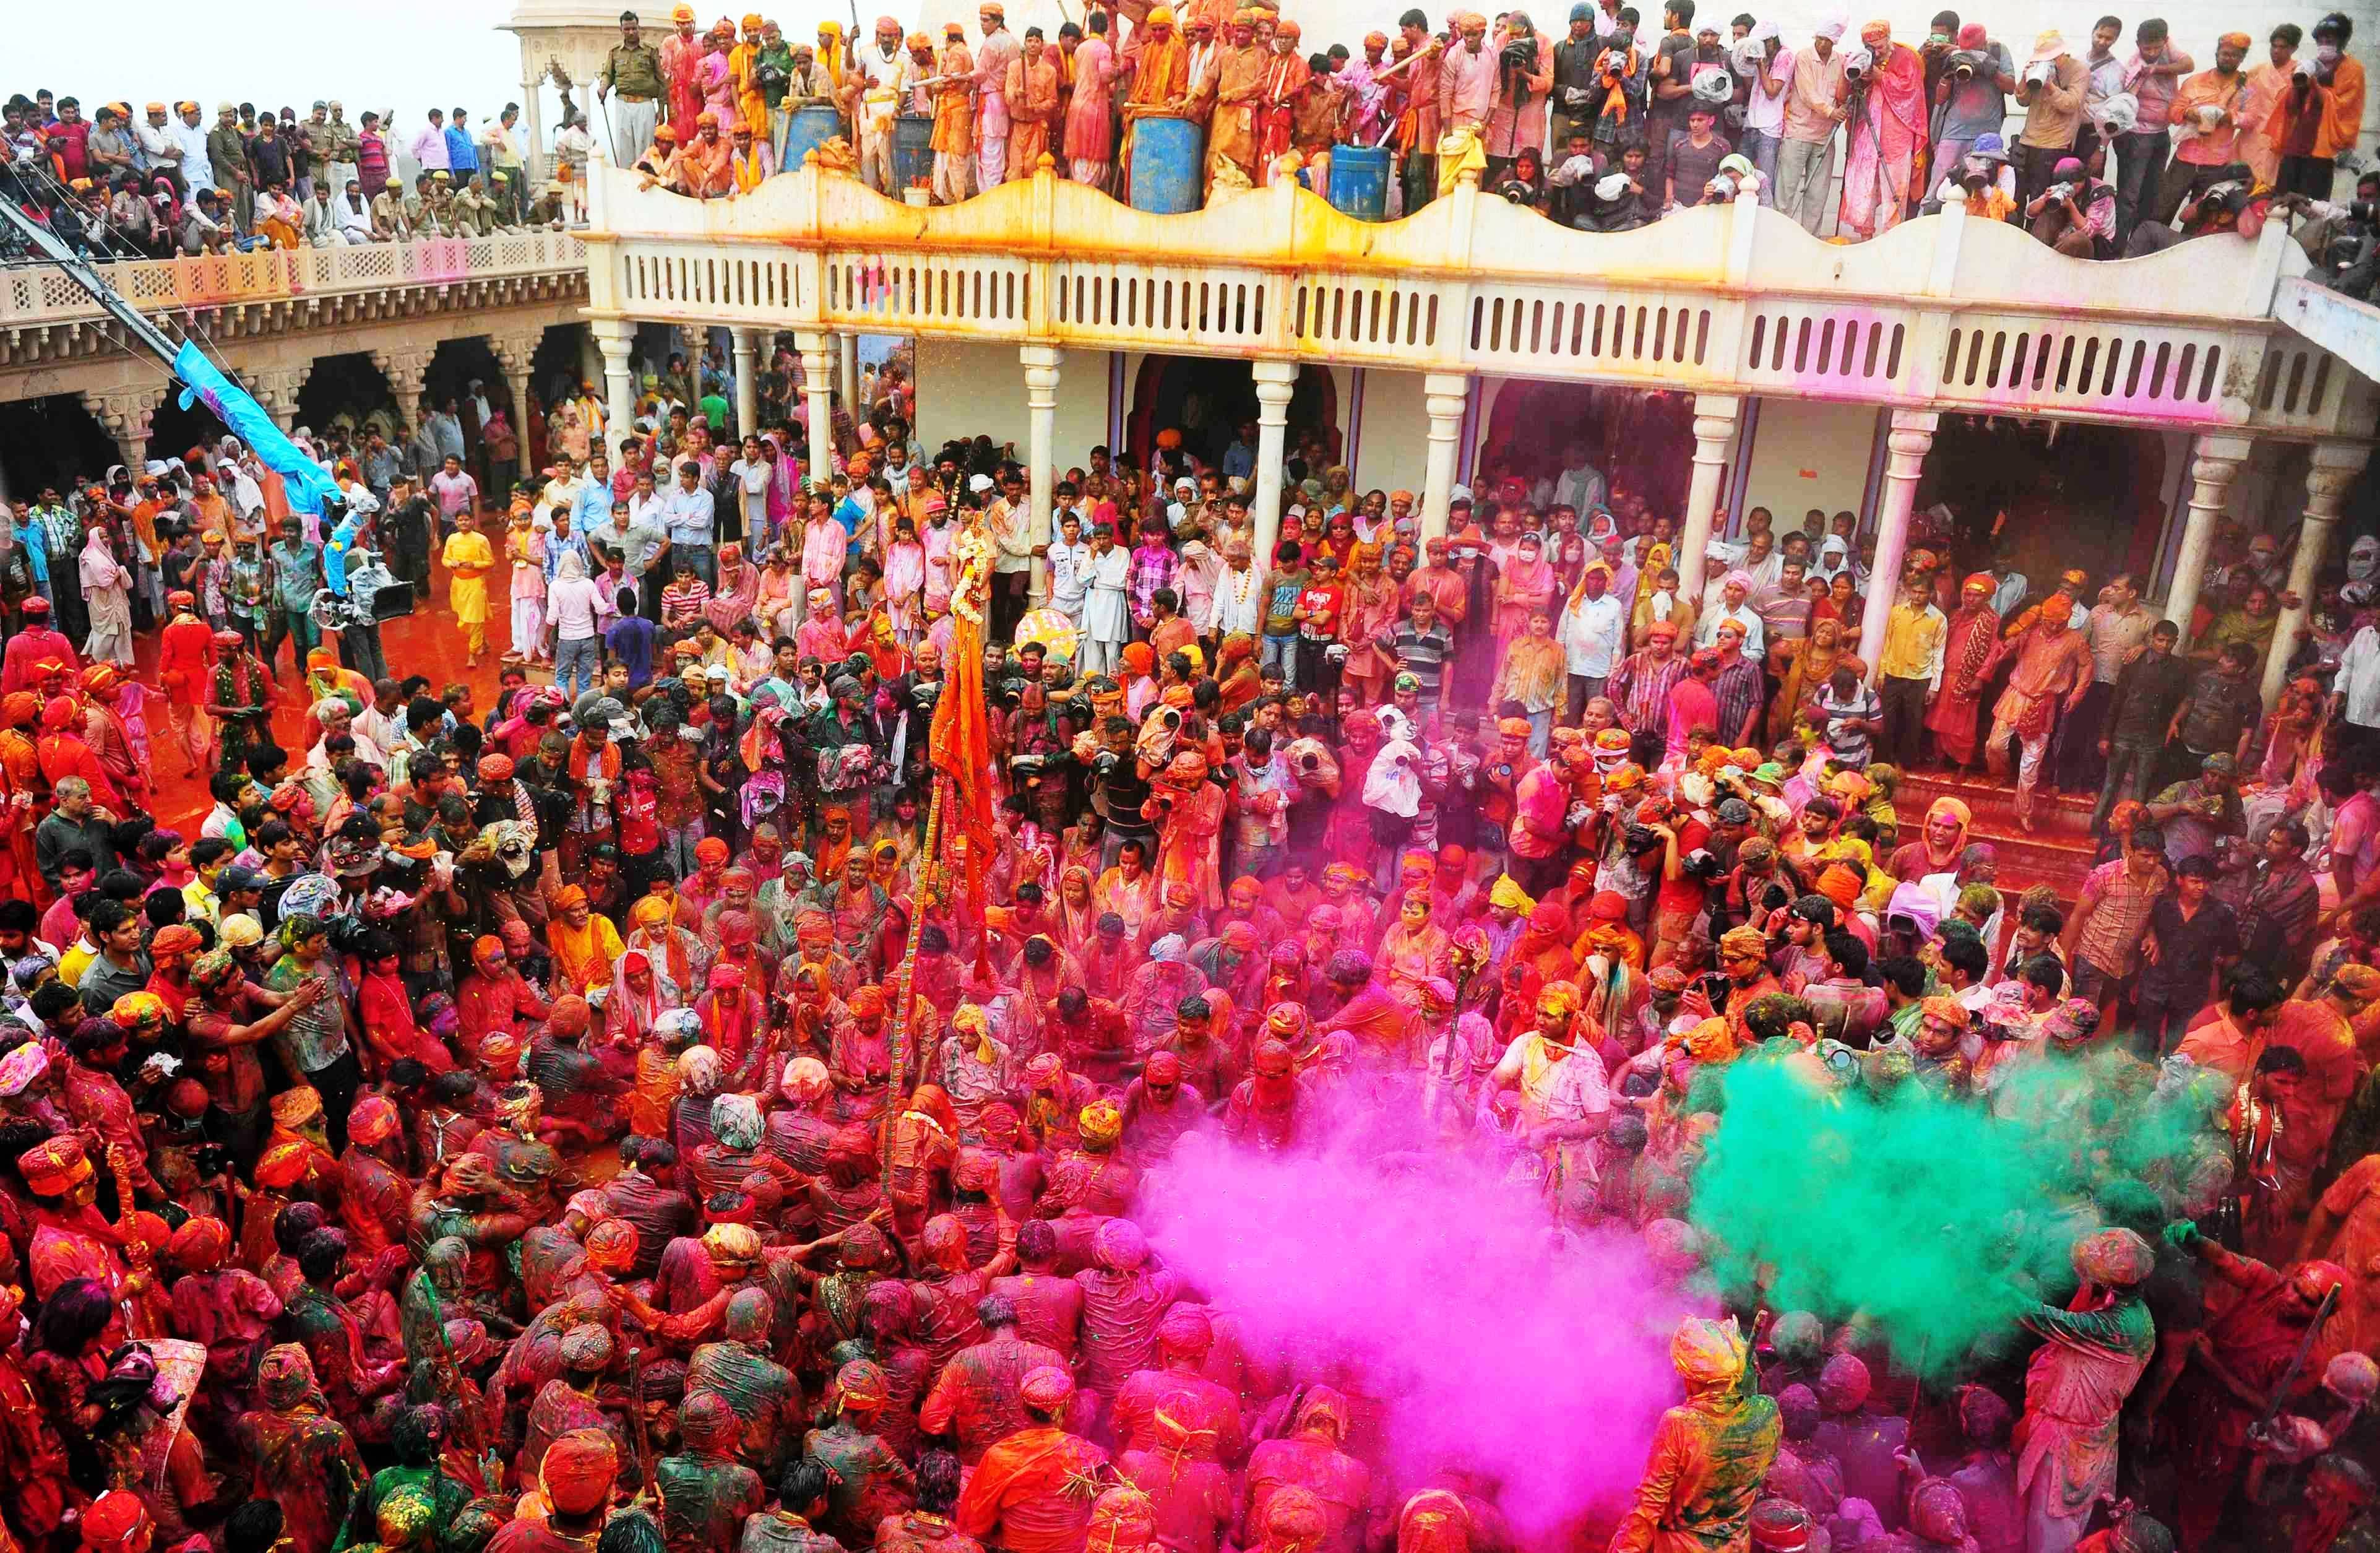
(1943, 312)
(34, 295)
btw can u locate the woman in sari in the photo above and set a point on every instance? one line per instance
(1372, 610)
(738, 590)
(775, 593)
(1887, 138)
(1077, 914)
(1523, 589)
(1809, 661)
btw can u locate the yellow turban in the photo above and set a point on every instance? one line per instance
(1509, 895)
(1707, 1353)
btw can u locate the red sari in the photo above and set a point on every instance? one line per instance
(1888, 142)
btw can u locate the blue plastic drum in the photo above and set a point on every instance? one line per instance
(913, 152)
(1359, 181)
(1165, 156)
(809, 128)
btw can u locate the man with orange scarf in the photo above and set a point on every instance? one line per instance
(1286, 81)
(1888, 141)
(1158, 60)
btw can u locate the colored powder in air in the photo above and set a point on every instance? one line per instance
(1441, 1292)
(1938, 1220)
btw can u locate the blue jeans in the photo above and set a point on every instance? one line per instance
(2140, 159)
(677, 847)
(1280, 653)
(578, 665)
(702, 558)
(1761, 147)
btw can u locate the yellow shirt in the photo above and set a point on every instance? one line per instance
(1913, 645)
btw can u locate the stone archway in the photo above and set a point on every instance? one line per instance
(349, 393)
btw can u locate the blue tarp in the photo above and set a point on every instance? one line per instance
(308, 487)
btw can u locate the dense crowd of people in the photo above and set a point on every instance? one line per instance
(653, 1112)
(168, 181)
(1621, 118)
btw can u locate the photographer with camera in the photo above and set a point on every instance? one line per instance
(1887, 132)
(1578, 100)
(1676, 59)
(2206, 126)
(1524, 73)
(2076, 214)
(2340, 239)
(1983, 172)
(1768, 69)
(2231, 204)
(2051, 95)
(1970, 96)
(2320, 112)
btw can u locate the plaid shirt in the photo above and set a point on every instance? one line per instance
(2120, 920)
(1738, 689)
(1153, 566)
(1642, 689)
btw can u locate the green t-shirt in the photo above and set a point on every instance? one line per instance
(715, 411)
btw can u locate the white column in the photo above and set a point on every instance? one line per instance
(850, 376)
(1275, 381)
(1906, 446)
(2333, 468)
(2217, 459)
(817, 397)
(533, 149)
(1041, 441)
(612, 338)
(1444, 395)
(1715, 416)
(744, 349)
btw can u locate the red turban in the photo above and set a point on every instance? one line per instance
(578, 1471)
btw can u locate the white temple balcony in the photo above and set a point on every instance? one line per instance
(1942, 313)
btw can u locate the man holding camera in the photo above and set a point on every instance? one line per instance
(2076, 214)
(1576, 98)
(1970, 95)
(2320, 112)
(2051, 95)
(2206, 118)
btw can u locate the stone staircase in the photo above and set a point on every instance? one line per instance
(2058, 854)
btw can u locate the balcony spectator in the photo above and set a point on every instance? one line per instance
(2206, 122)
(197, 169)
(1887, 135)
(2231, 204)
(157, 151)
(2320, 114)
(1814, 105)
(227, 153)
(462, 156)
(1984, 173)
(1693, 160)
(429, 146)
(1763, 135)
(372, 168)
(110, 146)
(1524, 74)
(2257, 105)
(269, 160)
(1973, 93)
(2051, 94)
(2152, 75)
(2076, 214)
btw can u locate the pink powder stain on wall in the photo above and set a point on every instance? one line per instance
(1440, 1293)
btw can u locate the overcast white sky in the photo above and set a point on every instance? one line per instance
(407, 56)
